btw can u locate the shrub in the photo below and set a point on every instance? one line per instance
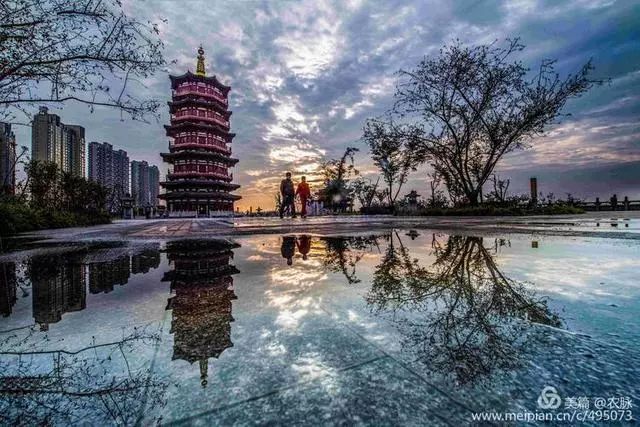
(17, 217)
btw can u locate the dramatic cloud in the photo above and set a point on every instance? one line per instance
(305, 74)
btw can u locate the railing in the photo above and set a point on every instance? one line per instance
(609, 205)
(184, 137)
(222, 122)
(181, 174)
(199, 90)
(196, 145)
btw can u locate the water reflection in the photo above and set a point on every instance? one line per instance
(202, 283)
(59, 281)
(8, 287)
(463, 315)
(114, 381)
(460, 315)
(98, 382)
(342, 254)
(338, 254)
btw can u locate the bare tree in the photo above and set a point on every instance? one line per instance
(437, 198)
(88, 51)
(364, 190)
(500, 188)
(15, 158)
(469, 106)
(336, 173)
(394, 153)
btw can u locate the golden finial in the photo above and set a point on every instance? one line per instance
(200, 66)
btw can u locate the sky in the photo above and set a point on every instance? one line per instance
(305, 75)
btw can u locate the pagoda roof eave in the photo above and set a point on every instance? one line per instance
(206, 126)
(175, 80)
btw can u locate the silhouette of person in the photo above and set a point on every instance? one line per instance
(304, 192)
(304, 245)
(288, 248)
(288, 194)
(614, 202)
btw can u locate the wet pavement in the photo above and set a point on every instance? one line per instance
(604, 224)
(378, 326)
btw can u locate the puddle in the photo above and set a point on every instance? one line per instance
(399, 326)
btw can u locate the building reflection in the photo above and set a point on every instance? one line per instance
(202, 287)
(145, 261)
(59, 282)
(8, 286)
(59, 286)
(103, 276)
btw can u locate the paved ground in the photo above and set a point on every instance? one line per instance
(624, 225)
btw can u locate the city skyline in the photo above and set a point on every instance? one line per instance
(306, 76)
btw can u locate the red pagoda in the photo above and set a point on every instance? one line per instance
(200, 182)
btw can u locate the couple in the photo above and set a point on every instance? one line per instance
(289, 194)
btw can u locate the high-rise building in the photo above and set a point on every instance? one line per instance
(200, 182)
(145, 184)
(53, 141)
(140, 183)
(46, 137)
(109, 167)
(154, 185)
(121, 171)
(73, 159)
(7, 159)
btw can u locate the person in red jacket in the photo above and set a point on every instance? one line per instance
(304, 193)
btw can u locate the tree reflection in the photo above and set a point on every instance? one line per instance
(342, 254)
(98, 384)
(105, 381)
(463, 315)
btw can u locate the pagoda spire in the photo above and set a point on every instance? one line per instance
(200, 66)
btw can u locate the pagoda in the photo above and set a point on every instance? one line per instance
(200, 183)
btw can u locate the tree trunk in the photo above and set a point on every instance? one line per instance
(473, 197)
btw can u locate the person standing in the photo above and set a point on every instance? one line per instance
(304, 192)
(288, 194)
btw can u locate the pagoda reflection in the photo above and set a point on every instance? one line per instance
(202, 284)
